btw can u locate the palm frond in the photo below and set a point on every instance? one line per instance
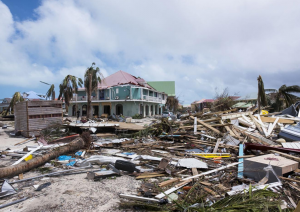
(51, 92)
(292, 89)
(68, 87)
(17, 97)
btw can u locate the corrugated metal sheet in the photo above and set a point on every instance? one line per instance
(291, 145)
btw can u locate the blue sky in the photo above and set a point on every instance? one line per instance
(201, 45)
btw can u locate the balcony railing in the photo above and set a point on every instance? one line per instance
(146, 98)
(81, 98)
(152, 99)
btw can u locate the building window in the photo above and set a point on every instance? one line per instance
(117, 90)
(101, 94)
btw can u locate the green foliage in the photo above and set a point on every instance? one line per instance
(137, 116)
(249, 201)
(17, 97)
(285, 92)
(68, 87)
(51, 92)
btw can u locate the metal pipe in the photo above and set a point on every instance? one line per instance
(12, 203)
(50, 174)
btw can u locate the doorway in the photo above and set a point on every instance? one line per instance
(74, 110)
(119, 109)
(95, 110)
(106, 109)
(84, 110)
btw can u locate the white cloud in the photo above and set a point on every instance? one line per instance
(225, 44)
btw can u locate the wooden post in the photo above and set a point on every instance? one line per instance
(27, 118)
(195, 125)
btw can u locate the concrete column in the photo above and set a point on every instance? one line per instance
(149, 110)
(144, 110)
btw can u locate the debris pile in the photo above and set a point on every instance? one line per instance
(214, 161)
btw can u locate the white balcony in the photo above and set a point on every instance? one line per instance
(81, 98)
(152, 99)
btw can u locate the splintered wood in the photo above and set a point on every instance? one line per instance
(168, 182)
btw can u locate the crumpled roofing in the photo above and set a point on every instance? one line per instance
(122, 78)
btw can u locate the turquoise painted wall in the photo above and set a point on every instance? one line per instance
(129, 108)
(136, 93)
(123, 92)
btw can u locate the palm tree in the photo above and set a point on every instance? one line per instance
(92, 77)
(68, 87)
(261, 96)
(17, 97)
(285, 92)
(51, 91)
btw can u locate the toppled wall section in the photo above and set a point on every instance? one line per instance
(33, 116)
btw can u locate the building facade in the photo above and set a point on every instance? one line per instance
(121, 94)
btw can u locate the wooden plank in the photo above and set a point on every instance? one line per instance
(29, 139)
(208, 126)
(272, 120)
(149, 176)
(217, 145)
(286, 155)
(205, 183)
(213, 144)
(168, 182)
(256, 124)
(228, 129)
(289, 179)
(212, 171)
(235, 115)
(256, 137)
(272, 125)
(194, 171)
(183, 183)
(171, 190)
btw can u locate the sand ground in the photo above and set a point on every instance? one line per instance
(66, 193)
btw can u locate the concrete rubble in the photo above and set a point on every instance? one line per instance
(213, 161)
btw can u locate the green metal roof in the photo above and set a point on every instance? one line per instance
(239, 104)
(164, 86)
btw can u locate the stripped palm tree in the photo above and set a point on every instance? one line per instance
(51, 91)
(68, 87)
(286, 92)
(17, 97)
(261, 96)
(92, 77)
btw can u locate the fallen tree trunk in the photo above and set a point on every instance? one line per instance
(9, 171)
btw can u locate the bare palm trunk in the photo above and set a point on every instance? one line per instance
(258, 98)
(76, 144)
(53, 95)
(89, 105)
